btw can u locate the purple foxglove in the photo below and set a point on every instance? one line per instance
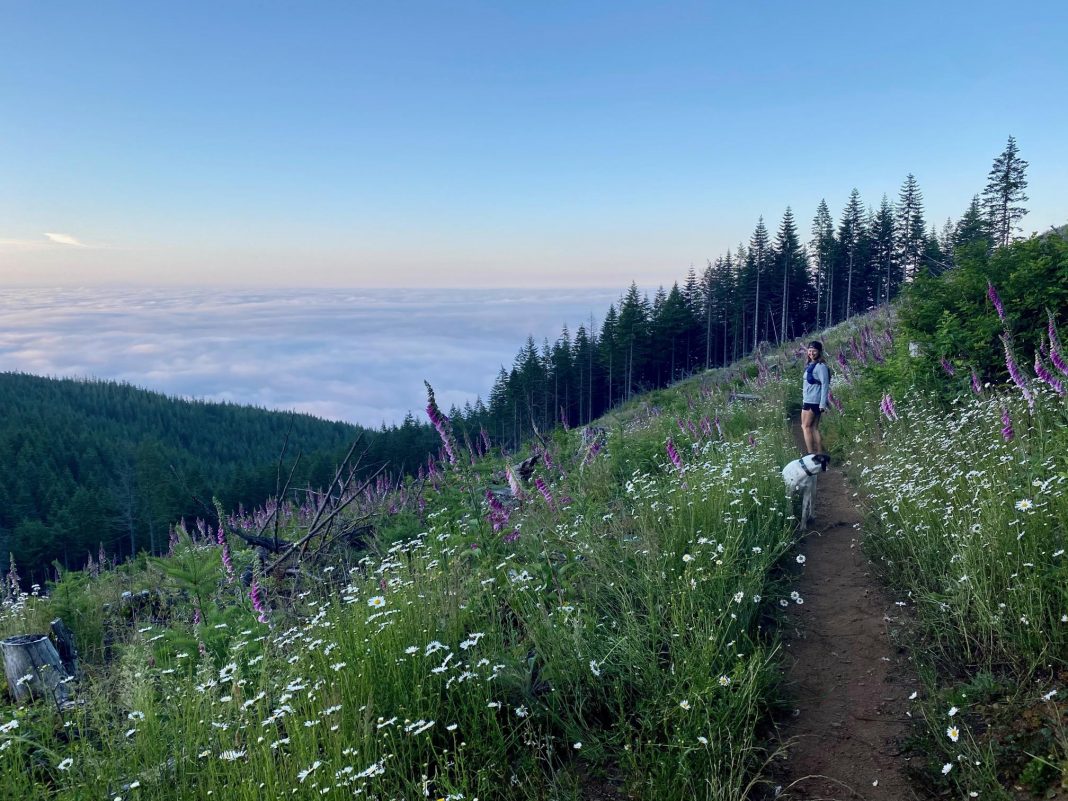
(673, 455)
(1006, 425)
(543, 488)
(1014, 372)
(993, 295)
(1047, 376)
(255, 595)
(1055, 351)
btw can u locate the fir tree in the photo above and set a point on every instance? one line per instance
(910, 229)
(850, 234)
(1004, 192)
(822, 249)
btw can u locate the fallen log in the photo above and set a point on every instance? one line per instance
(33, 669)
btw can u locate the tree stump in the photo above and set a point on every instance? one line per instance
(64, 640)
(33, 669)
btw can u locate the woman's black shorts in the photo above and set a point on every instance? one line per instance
(811, 407)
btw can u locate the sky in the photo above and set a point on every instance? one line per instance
(493, 144)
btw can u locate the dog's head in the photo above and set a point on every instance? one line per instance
(821, 460)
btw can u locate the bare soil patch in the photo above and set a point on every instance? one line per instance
(848, 683)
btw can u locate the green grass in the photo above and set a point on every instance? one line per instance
(620, 641)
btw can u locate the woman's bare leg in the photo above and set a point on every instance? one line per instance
(810, 423)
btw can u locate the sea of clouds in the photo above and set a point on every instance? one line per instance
(354, 355)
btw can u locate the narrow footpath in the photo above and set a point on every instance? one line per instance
(848, 683)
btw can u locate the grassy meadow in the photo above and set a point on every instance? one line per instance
(606, 628)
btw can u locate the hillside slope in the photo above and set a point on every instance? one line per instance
(93, 464)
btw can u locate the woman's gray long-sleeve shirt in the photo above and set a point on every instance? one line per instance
(816, 393)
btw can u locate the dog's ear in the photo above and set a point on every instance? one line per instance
(824, 460)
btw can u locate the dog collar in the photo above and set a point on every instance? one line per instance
(801, 462)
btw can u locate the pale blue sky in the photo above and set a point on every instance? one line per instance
(493, 143)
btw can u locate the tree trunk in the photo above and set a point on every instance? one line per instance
(33, 668)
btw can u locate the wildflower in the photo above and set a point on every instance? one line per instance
(1046, 376)
(543, 488)
(913, 696)
(1006, 425)
(687, 557)
(801, 559)
(231, 756)
(953, 733)
(304, 774)
(376, 602)
(1024, 505)
(1014, 372)
(521, 711)
(976, 388)
(702, 740)
(673, 455)
(227, 561)
(947, 768)
(947, 367)
(952, 711)
(595, 668)
(441, 423)
(1049, 695)
(724, 681)
(1000, 309)
(135, 715)
(887, 407)
(498, 515)
(1055, 354)
(685, 704)
(65, 764)
(11, 725)
(577, 746)
(256, 596)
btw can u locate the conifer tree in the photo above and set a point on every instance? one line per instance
(759, 251)
(972, 231)
(1004, 192)
(883, 252)
(790, 261)
(850, 233)
(822, 249)
(910, 231)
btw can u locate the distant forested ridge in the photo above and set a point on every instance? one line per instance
(773, 288)
(89, 464)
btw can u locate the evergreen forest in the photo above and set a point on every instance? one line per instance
(97, 467)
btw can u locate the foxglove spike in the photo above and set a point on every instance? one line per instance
(993, 295)
(1014, 373)
(1055, 351)
(1006, 425)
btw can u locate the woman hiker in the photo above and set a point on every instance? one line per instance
(816, 386)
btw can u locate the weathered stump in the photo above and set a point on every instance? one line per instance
(63, 637)
(33, 668)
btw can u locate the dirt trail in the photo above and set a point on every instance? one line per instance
(847, 682)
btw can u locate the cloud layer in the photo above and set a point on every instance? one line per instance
(359, 356)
